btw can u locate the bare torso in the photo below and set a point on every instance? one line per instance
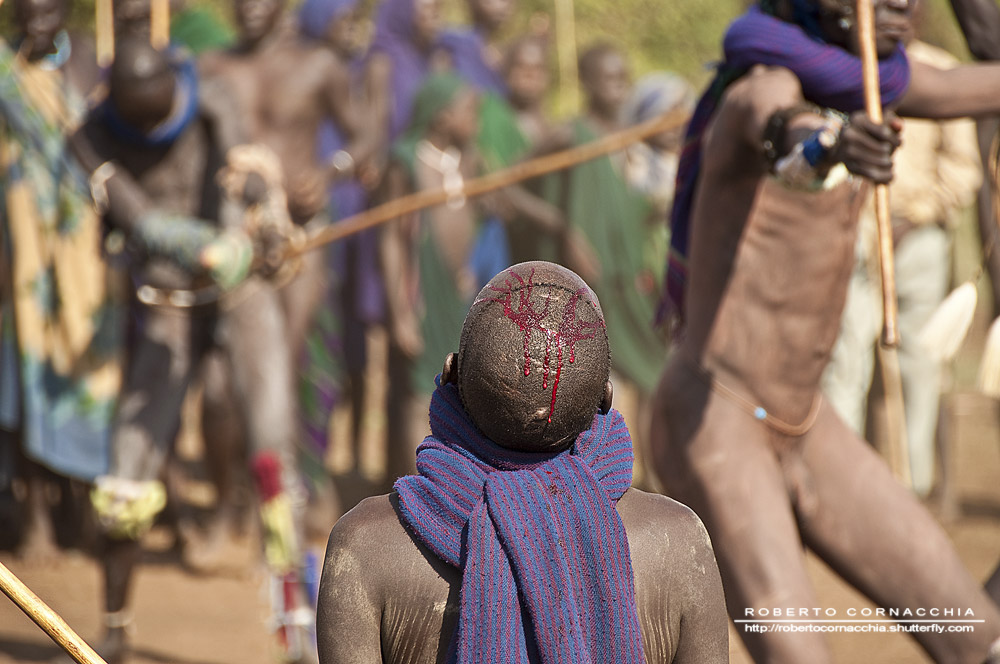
(769, 272)
(386, 598)
(282, 90)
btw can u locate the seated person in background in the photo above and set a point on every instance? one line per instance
(562, 560)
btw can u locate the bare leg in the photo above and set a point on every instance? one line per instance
(223, 434)
(300, 299)
(11, 516)
(877, 536)
(119, 560)
(719, 461)
(39, 542)
(160, 370)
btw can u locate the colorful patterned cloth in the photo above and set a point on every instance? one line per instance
(546, 570)
(61, 328)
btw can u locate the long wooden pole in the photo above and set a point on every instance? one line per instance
(47, 619)
(899, 451)
(159, 23)
(491, 182)
(104, 24)
(873, 105)
(569, 80)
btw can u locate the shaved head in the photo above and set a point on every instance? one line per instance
(534, 358)
(142, 84)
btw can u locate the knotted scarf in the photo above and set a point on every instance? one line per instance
(546, 572)
(830, 77)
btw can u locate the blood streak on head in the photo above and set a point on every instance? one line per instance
(528, 319)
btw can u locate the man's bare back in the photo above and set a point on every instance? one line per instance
(395, 602)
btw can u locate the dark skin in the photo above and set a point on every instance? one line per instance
(489, 17)
(179, 177)
(764, 298)
(526, 73)
(287, 87)
(400, 604)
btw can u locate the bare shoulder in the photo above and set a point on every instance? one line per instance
(679, 594)
(372, 519)
(745, 108)
(661, 521)
(764, 85)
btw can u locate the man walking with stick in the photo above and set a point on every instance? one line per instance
(769, 188)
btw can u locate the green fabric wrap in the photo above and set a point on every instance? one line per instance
(613, 217)
(178, 238)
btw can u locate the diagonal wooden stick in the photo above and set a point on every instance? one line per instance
(487, 183)
(47, 619)
(899, 452)
(873, 105)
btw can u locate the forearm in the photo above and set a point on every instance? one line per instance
(971, 90)
(123, 201)
(980, 22)
(537, 211)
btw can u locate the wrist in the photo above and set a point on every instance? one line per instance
(342, 164)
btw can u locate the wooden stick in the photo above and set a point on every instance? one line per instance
(892, 381)
(104, 25)
(873, 104)
(47, 619)
(491, 182)
(569, 80)
(159, 24)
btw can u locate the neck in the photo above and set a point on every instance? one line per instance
(262, 44)
(437, 139)
(35, 52)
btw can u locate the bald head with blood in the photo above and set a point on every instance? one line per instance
(534, 359)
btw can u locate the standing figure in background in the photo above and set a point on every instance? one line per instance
(286, 87)
(358, 300)
(155, 148)
(651, 166)
(597, 200)
(427, 256)
(475, 52)
(60, 332)
(404, 51)
(980, 21)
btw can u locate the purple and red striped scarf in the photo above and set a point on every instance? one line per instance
(830, 77)
(546, 572)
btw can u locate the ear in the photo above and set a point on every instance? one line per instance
(609, 395)
(449, 374)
